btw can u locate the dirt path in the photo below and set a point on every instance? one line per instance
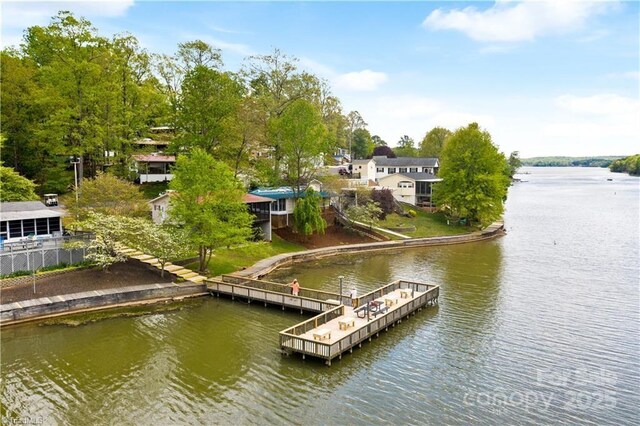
(119, 275)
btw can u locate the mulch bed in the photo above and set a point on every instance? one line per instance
(118, 276)
(333, 236)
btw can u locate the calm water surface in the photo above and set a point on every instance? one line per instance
(538, 327)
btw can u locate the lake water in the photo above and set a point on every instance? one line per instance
(538, 327)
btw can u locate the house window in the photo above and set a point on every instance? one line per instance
(29, 227)
(403, 170)
(392, 170)
(405, 184)
(413, 170)
(42, 226)
(380, 169)
(54, 224)
(15, 229)
(427, 170)
(279, 205)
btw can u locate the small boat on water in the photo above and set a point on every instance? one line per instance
(609, 179)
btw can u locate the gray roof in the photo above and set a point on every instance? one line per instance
(428, 177)
(16, 210)
(406, 161)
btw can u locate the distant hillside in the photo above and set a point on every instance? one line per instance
(603, 161)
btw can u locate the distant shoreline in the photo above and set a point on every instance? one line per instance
(599, 161)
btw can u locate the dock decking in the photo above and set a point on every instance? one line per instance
(341, 328)
(342, 323)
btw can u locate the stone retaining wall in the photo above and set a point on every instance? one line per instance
(263, 267)
(17, 312)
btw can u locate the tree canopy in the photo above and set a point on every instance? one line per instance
(307, 215)
(474, 183)
(109, 195)
(14, 187)
(208, 204)
(433, 142)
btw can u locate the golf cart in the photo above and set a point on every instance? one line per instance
(50, 200)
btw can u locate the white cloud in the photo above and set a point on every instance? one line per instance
(510, 21)
(633, 75)
(605, 105)
(18, 16)
(360, 81)
(317, 68)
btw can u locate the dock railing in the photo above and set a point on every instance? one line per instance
(285, 289)
(377, 293)
(290, 339)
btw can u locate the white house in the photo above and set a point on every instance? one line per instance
(284, 202)
(412, 188)
(21, 219)
(154, 167)
(381, 166)
(259, 207)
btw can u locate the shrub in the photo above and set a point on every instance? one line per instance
(386, 202)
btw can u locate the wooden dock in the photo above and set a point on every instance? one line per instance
(261, 291)
(341, 328)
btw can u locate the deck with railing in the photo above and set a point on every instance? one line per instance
(267, 292)
(341, 328)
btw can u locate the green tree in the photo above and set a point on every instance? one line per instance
(108, 195)
(307, 214)
(378, 141)
(368, 213)
(514, 163)
(209, 101)
(406, 147)
(110, 233)
(209, 204)
(14, 187)
(474, 183)
(302, 134)
(165, 242)
(433, 142)
(362, 144)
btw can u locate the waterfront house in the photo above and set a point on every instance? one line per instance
(22, 219)
(154, 167)
(259, 207)
(412, 188)
(284, 202)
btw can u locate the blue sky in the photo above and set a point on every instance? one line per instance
(544, 78)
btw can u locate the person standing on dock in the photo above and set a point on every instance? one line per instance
(353, 293)
(295, 287)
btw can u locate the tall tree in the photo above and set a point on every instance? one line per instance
(209, 204)
(378, 141)
(514, 163)
(406, 147)
(362, 144)
(276, 84)
(303, 134)
(474, 184)
(208, 103)
(70, 56)
(433, 142)
(354, 122)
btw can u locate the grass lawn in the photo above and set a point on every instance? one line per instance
(225, 261)
(427, 224)
(152, 190)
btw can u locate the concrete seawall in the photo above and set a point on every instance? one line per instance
(263, 267)
(29, 310)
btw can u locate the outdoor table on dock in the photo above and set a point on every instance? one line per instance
(346, 322)
(405, 293)
(390, 300)
(322, 334)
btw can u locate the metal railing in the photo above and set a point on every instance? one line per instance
(34, 254)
